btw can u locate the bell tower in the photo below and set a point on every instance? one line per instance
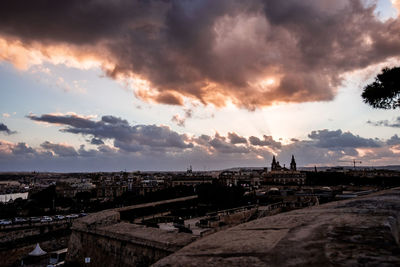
(293, 164)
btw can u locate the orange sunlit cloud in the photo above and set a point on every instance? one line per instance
(246, 54)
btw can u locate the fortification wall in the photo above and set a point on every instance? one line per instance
(13, 235)
(105, 250)
(13, 250)
(360, 232)
(107, 241)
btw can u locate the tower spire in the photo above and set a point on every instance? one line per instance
(293, 164)
(273, 164)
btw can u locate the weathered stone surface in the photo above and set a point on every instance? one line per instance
(95, 220)
(358, 232)
(107, 241)
(123, 244)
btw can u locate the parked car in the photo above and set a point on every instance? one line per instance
(46, 219)
(34, 219)
(72, 216)
(59, 217)
(19, 220)
(5, 222)
(82, 214)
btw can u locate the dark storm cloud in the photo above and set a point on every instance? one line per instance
(126, 137)
(386, 123)
(214, 51)
(339, 140)
(4, 128)
(267, 141)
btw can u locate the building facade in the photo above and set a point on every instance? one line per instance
(283, 175)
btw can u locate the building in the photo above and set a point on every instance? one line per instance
(70, 189)
(283, 175)
(243, 176)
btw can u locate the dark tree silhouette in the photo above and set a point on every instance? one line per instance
(384, 92)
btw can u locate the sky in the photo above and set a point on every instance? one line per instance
(161, 85)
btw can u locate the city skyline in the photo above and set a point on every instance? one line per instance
(162, 85)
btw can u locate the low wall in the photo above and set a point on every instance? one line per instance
(233, 218)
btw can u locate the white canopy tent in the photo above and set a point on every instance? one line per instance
(38, 251)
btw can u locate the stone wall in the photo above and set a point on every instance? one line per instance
(107, 241)
(12, 251)
(359, 232)
(233, 218)
(13, 235)
(108, 251)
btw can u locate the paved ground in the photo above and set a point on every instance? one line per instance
(358, 232)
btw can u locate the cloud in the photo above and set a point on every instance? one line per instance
(393, 141)
(47, 150)
(61, 150)
(188, 113)
(236, 139)
(152, 141)
(267, 141)
(250, 53)
(87, 153)
(126, 137)
(339, 140)
(96, 141)
(5, 147)
(4, 129)
(57, 157)
(220, 144)
(395, 123)
(22, 148)
(178, 120)
(61, 119)
(152, 147)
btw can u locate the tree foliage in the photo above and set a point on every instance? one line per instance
(384, 92)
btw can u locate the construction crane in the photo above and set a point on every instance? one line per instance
(353, 161)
